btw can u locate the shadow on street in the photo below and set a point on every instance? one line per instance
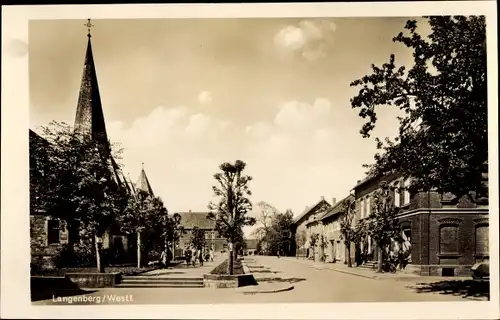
(464, 288)
(289, 280)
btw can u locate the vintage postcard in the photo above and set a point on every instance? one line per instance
(250, 161)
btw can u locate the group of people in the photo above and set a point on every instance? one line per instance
(198, 255)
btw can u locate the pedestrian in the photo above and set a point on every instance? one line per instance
(194, 257)
(163, 258)
(278, 254)
(188, 255)
(200, 255)
(212, 254)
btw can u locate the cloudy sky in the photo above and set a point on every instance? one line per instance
(184, 95)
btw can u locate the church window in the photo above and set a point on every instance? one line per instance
(53, 227)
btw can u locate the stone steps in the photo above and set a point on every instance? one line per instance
(160, 282)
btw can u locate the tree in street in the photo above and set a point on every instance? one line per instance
(197, 239)
(347, 229)
(280, 233)
(313, 242)
(230, 212)
(139, 217)
(443, 138)
(266, 212)
(300, 239)
(382, 225)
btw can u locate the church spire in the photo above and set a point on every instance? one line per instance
(143, 182)
(89, 115)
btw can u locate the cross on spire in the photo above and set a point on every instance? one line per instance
(88, 25)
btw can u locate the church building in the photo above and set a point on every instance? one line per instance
(48, 235)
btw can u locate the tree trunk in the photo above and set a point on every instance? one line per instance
(230, 259)
(139, 255)
(380, 259)
(98, 245)
(348, 247)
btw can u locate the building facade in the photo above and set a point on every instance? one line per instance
(191, 220)
(336, 250)
(306, 225)
(445, 235)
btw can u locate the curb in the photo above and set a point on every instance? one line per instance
(287, 288)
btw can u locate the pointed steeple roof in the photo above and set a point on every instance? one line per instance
(143, 183)
(89, 114)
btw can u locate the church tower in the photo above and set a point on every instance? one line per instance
(143, 183)
(89, 118)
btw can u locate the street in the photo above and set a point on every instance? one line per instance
(310, 285)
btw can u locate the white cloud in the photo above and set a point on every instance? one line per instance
(307, 38)
(205, 97)
(300, 154)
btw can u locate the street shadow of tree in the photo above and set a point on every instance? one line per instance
(289, 280)
(464, 288)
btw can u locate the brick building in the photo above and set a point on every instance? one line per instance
(191, 220)
(446, 235)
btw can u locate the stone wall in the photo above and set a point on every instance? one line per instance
(42, 254)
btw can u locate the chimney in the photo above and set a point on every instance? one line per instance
(359, 181)
(323, 198)
(334, 201)
(189, 210)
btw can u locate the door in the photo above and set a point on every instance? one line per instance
(338, 252)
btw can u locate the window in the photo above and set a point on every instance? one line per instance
(53, 227)
(396, 197)
(362, 203)
(482, 240)
(212, 234)
(448, 239)
(406, 193)
(368, 208)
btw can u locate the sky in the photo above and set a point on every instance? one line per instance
(184, 95)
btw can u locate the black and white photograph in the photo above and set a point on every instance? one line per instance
(255, 160)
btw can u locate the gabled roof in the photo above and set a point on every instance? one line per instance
(309, 210)
(337, 208)
(189, 220)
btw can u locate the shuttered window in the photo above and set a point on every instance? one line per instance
(482, 243)
(448, 239)
(53, 227)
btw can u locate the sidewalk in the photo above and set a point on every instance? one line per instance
(184, 271)
(371, 274)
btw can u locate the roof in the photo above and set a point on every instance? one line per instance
(309, 209)
(337, 208)
(89, 114)
(189, 220)
(251, 243)
(143, 183)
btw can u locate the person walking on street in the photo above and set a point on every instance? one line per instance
(212, 254)
(278, 254)
(200, 256)
(188, 255)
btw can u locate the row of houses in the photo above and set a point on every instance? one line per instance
(444, 235)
